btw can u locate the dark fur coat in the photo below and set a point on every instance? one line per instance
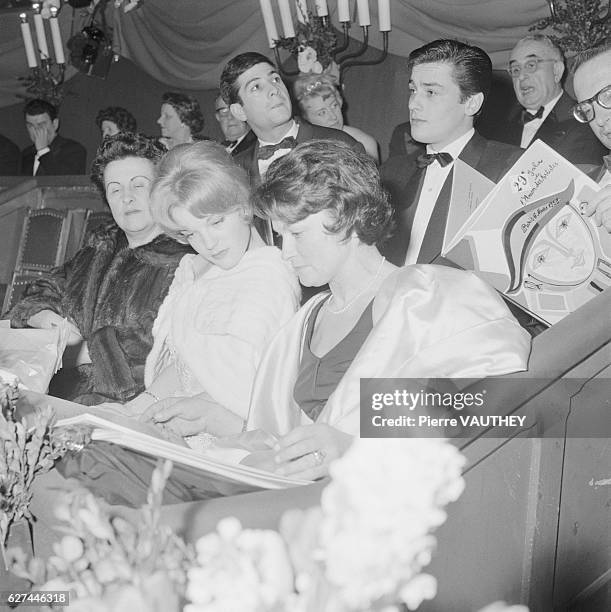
(112, 293)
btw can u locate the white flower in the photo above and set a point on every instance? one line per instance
(307, 61)
(70, 548)
(257, 560)
(385, 498)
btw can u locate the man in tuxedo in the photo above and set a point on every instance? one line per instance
(238, 135)
(449, 83)
(592, 82)
(51, 153)
(9, 157)
(543, 109)
(254, 91)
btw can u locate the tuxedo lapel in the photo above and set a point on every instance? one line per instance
(435, 230)
(405, 192)
(553, 130)
(253, 166)
(305, 133)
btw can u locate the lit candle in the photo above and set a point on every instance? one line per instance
(56, 35)
(27, 41)
(321, 8)
(287, 19)
(41, 39)
(302, 11)
(384, 15)
(269, 21)
(363, 11)
(343, 10)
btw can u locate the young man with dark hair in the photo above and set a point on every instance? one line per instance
(543, 110)
(449, 84)
(254, 90)
(51, 154)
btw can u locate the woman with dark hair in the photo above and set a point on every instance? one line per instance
(114, 119)
(111, 290)
(326, 202)
(181, 119)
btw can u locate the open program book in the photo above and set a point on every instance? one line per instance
(528, 238)
(210, 475)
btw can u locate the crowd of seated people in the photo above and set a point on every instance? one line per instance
(212, 346)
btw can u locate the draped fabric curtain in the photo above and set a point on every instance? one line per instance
(185, 43)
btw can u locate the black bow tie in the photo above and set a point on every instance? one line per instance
(528, 116)
(267, 151)
(229, 143)
(426, 159)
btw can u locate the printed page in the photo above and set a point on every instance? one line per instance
(529, 240)
(469, 190)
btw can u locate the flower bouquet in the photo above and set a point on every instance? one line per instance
(108, 563)
(363, 549)
(312, 45)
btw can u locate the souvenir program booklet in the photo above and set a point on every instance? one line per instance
(207, 474)
(528, 239)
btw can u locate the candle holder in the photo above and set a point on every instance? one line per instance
(318, 34)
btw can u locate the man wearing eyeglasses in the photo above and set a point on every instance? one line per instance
(592, 82)
(238, 135)
(544, 109)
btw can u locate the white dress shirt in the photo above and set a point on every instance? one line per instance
(530, 129)
(434, 178)
(264, 164)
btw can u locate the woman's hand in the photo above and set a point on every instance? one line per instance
(307, 451)
(189, 416)
(47, 319)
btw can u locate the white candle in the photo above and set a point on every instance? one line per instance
(287, 19)
(269, 21)
(384, 15)
(321, 8)
(28, 43)
(58, 46)
(302, 11)
(363, 11)
(41, 38)
(343, 10)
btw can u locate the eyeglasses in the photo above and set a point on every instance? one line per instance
(584, 111)
(223, 112)
(528, 67)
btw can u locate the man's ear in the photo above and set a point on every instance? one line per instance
(55, 123)
(558, 71)
(238, 111)
(474, 103)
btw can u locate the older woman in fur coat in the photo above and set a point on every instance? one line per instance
(111, 289)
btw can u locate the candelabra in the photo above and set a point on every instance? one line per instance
(316, 32)
(44, 80)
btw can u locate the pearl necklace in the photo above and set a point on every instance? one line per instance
(358, 295)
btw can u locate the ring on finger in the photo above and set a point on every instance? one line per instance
(319, 457)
